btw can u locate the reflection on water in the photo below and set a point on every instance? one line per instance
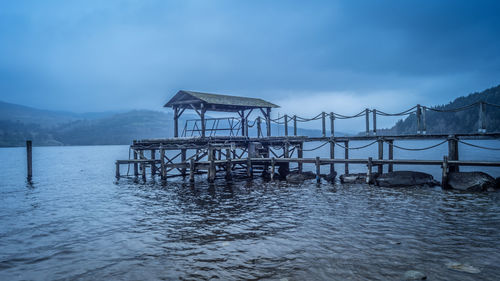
(76, 223)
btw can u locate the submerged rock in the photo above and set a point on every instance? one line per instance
(405, 179)
(414, 275)
(471, 181)
(353, 178)
(330, 177)
(297, 177)
(283, 170)
(462, 267)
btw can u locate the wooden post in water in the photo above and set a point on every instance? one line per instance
(444, 179)
(211, 168)
(323, 123)
(228, 164)
(318, 170)
(153, 164)
(249, 168)
(453, 152)
(295, 125)
(374, 122)
(143, 170)
(380, 155)
(300, 154)
(136, 170)
(369, 175)
(162, 165)
(259, 130)
(272, 168)
(286, 125)
(332, 156)
(424, 127)
(117, 175)
(191, 170)
(268, 121)
(29, 153)
(346, 156)
(183, 160)
(176, 122)
(332, 124)
(391, 155)
(367, 121)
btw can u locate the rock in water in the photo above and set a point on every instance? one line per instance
(462, 267)
(405, 179)
(471, 181)
(353, 178)
(330, 177)
(414, 275)
(295, 178)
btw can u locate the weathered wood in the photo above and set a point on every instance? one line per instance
(380, 155)
(332, 156)
(453, 152)
(143, 171)
(295, 125)
(228, 164)
(153, 167)
(367, 121)
(259, 129)
(346, 156)
(369, 175)
(249, 168)
(191, 170)
(318, 170)
(136, 170)
(419, 129)
(286, 125)
(211, 169)
(374, 122)
(29, 163)
(391, 155)
(176, 122)
(117, 171)
(183, 160)
(332, 124)
(163, 171)
(268, 121)
(323, 123)
(481, 123)
(300, 154)
(444, 179)
(272, 168)
(202, 117)
(424, 126)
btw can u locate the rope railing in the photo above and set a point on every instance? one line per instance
(355, 148)
(417, 149)
(478, 146)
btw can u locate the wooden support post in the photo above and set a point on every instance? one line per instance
(295, 125)
(143, 171)
(183, 160)
(380, 155)
(153, 165)
(268, 121)
(249, 168)
(136, 170)
(202, 117)
(418, 119)
(444, 178)
(346, 156)
(176, 122)
(300, 154)
(243, 123)
(318, 170)
(29, 163)
(369, 175)
(117, 170)
(259, 129)
(323, 123)
(424, 126)
(332, 124)
(332, 156)
(163, 170)
(228, 164)
(453, 152)
(191, 170)
(272, 168)
(374, 122)
(286, 152)
(391, 155)
(286, 125)
(481, 123)
(367, 121)
(211, 168)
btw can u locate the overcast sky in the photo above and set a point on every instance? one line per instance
(306, 56)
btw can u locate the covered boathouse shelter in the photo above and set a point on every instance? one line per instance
(202, 102)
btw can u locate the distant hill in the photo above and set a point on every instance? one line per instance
(455, 122)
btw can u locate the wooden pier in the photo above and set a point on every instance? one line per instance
(238, 154)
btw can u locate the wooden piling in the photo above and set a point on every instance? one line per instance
(444, 179)
(211, 168)
(183, 161)
(453, 152)
(380, 155)
(367, 121)
(143, 170)
(369, 175)
(374, 122)
(29, 163)
(323, 123)
(191, 170)
(136, 168)
(249, 168)
(228, 163)
(332, 156)
(153, 165)
(300, 154)
(332, 124)
(318, 170)
(272, 168)
(286, 125)
(295, 125)
(162, 165)
(391, 155)
(117, 171)
(346, 156)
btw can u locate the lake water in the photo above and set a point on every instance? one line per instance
(77, 223)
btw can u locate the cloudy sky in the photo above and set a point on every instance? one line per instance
(306, 56)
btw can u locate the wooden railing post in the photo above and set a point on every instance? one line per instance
(380, 155)
(162, 165)
(29, 153)
(300, 154)
(295, 125)
(286, 125)
(318, 170)
(418, 119)
(424, 126)
(346, 156)
(453, 152)
(481, 123)
(259, 130)
(374, 122)
(391, 155)
(332, 156)
(332, 124)
(323, 123)
(367, 121)
(191, 170)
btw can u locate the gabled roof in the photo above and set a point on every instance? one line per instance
(216, 101)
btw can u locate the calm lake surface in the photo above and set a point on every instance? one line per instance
(77, 223)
